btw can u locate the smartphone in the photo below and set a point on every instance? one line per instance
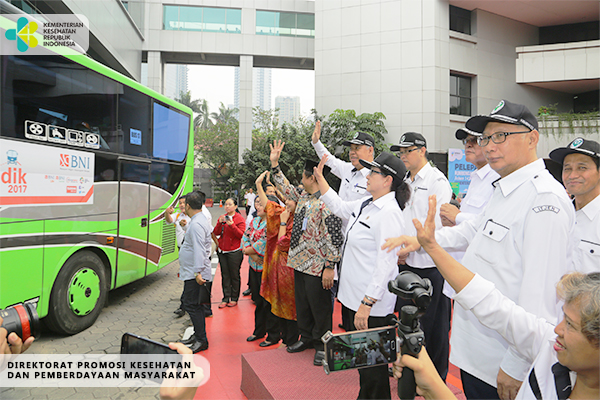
(136, 348)
(227, 218)
(359, 349)
(134, 344)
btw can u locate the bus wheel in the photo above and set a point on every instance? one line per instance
(78, 294)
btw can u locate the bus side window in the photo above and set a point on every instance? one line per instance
(134, 120)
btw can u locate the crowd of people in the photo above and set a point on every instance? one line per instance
(518, 237)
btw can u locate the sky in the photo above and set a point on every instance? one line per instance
(216, 85)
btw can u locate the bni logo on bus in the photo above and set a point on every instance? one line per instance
(74, 161)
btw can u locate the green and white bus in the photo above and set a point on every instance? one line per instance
(89, 161)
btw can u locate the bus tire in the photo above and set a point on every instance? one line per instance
(78, 295)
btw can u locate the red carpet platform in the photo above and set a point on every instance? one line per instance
(276, 374)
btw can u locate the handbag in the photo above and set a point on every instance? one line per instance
(204, 297)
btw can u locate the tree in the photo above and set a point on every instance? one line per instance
(336, 128)
(217, 149)
(225, 114)
(203, 119)
(186, 100)
(341, 125)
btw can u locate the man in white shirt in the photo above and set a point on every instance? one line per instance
(581, 176)
(478, 195)
(424, 181)
(352, 174)
(522, 242)
(480, 189)
(180, 220)
(249, 198)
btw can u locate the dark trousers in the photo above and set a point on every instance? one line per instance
(374, 381)
(191, 304)
(475, 388)
(263, 308)
(230, 274)
(436, 321)
(313, 308)
(281, 328)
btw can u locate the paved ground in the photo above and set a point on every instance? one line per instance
(144, 307)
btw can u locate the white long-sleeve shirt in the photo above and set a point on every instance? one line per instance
(587, 238)
(478, 195)
(354, 181)
(365, 268)
(179, 230)
(532, 336)
(428, 181)
(522, 242)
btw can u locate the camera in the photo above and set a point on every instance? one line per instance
(410, 286)
(227, 218)
(22, 319)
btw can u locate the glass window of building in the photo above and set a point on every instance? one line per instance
(234, 20)
(285, 24)
(305, 25)
(265, 22)
(214, 19)
(460, 20)
(171, 18)
(202, 19)
(190, 19)
(460, 95)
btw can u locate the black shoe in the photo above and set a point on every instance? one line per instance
(298, 347)
(247, 292)
(319, 357)
(252, 338)
(179, 313)
(189, 341)
(198, 346)
(267, 343)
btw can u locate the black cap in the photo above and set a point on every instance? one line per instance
(505, 112)
(579, 145)
(360, 138)
(462, 133)
(309, 166)
(388, 164)
(554, 168)
(409, 139)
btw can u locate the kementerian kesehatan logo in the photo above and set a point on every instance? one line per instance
(23, 34)
(576, 143)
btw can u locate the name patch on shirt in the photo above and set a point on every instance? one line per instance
(540, 209)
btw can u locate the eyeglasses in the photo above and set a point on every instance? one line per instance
(498, 137)
(471, 140)
(376, 172)
(403, 152)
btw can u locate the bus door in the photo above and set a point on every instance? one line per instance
(133, 225)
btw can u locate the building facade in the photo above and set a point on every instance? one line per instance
(289, 108)
(426, 64)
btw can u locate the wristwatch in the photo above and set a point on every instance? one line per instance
(365, 303)
(283, 223)
(276, 168)
(329, 266)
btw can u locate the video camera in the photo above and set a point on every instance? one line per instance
(348, 350)
(410, 286)
(22, 319)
